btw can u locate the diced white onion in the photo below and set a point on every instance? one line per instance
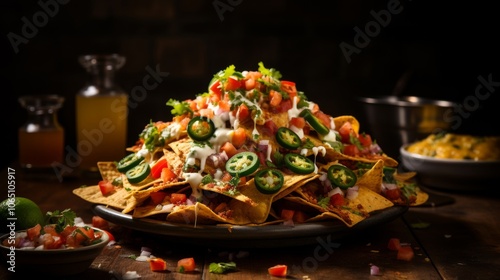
(334, 191)
(352, 192)
(131, 275)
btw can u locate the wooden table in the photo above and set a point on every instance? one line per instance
(462, 241)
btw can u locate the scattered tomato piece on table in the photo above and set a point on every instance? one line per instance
(186, 265)
(279, 270)
(157, 264)
(405, 253)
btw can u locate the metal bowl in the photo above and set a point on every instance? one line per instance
(397, 120)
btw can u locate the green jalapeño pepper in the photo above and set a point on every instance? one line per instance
(341, 176)
(243, 164)
(314, 122)
(287, 138)
(299, 164)
(138, 173)
(269, 181)
(128, 162)
(200, 128)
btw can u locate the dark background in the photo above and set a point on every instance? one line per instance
(445, 46)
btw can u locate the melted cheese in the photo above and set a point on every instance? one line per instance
(456, 146)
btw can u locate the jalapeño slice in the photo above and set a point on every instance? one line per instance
(341, 176)
(287, 138)
(243, 164)
(299, 164)
(138, 173)
(269, 181)
(314, 122)
(200, 128)
(128, 162)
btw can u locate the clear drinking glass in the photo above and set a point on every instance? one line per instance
(101, 112)
(41, 138)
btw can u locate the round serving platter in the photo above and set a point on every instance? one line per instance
(277, 235)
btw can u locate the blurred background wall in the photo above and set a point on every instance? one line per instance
(334, 53)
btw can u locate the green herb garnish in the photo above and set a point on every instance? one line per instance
(221, 267)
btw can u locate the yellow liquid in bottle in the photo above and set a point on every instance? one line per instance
(42, 148)
(101, 129)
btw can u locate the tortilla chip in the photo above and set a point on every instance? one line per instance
(119, 199)
(340, 120)
(356, 210)
(108, 170)
(372, 179)
(198, 213)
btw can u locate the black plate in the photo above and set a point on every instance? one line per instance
(247, 236)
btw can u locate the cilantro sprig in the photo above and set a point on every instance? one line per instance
(61, 219)
(219, 268)
(179, 107)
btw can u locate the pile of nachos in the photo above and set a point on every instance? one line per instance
(252, 150)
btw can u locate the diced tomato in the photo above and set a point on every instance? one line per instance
(337, 200)
(289, 87)
(99, 222)
(167, 175)
(224, 105)
(275, 98)
(186, 265)
(345, 132)
(51, 242)
(215, 88)
(300, 216)
(178, 198)
(106, 187)
(394, 244)
(270, 128)
(157, 264)
(202, 102)
(80, 236)
(67, 231)
(250, 84)
(34, 232)
(324, 118)
(285, 105)
(287, 214)
(157, 197)
(405, 253)
(50, 229)
(232, 84)
(279, 270)
(226, 177)
(298, 122)
(351, 150)
(158, 167)
(229, 148)
(239, 137)
(392, 194)
(243, 112)
(365, 139)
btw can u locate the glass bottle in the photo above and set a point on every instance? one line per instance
(41, 138)
(101, 112)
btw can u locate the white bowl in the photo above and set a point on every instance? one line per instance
(452, 174)
(56, 262)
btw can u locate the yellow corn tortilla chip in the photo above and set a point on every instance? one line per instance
(118, 199)
(108, 170)
(198, 213)
(356, 210)
(372, 179)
